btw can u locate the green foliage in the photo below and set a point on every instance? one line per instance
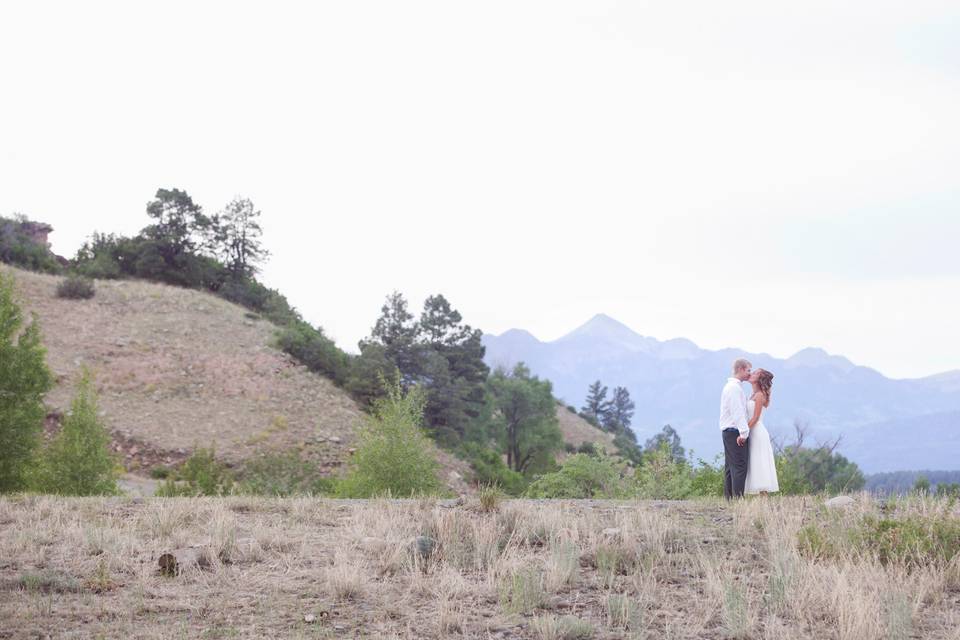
(916, 540)
(393, 454)
(669, 438)
(525, 422)
(583, 476)
(19, 249)
(663, 477)
(24, 379)
(78, 462)
(201, 475)
(437, 352)
(236, 235)
(801, 471)
(366, 372)
(922, 485)
(76, 287)
(489, 469)
(596, 405)
(283, 474)
(619, 415)
(522, 591)
(707, 479)
(315, 350)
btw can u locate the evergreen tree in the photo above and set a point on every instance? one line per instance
(525, 418)
(396, 331)
(620, 412)
(78, 462)
(237, 236)
(24, 379)
(180, 226)
(669, 440)
(452, 368)
(596, 406)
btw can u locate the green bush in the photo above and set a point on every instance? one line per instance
(24, 379)
(394, 456)
(662, 477)
(19, 249)
(201, 475)
(315, 350)
(489, 469)
(76, 287)
(283, 474)
(707, 479)
(914, 541)
(78, 461)
(583, 476)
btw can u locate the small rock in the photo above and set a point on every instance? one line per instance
(454, 476)
(335, 439)
(839, 501)
(309, 618)
(424, 546)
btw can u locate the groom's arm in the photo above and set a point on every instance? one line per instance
(740, 414)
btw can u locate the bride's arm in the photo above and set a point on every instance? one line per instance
(757, 410)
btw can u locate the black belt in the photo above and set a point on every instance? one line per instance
(731, 429)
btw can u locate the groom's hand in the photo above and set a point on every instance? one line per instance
(741, 441)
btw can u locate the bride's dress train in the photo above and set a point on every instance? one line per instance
(762, 468)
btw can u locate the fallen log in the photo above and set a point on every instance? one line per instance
(173, 563)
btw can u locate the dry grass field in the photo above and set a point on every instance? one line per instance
(550, 570)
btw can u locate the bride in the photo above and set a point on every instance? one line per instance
(762, 469)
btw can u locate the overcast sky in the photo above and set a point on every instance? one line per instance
(764, 175)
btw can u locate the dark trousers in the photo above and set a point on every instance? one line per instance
(735, 459)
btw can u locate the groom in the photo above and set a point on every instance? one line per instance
(733, 428)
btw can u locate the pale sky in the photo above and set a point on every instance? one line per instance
(763, 175)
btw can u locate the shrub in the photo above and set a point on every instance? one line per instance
(582, 476)
(201, 475)
(707, 479)
(661, 476)
(489, 469)
(24, 379)
(78, 462)
(915, 540)
(75, 287)
(394, 455)
(315, 350)
(19, 249)
(283, 474)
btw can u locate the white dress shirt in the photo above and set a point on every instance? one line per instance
(733, 407)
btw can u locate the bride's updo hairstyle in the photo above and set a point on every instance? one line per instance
(765, 382)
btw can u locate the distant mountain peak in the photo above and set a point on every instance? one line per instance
(602, 324)
(817, 357)
(518, 335)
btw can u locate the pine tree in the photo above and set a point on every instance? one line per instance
(620, 412)
(237, 238)
(78, 462)
(596, 407)
(24, 379)
(396, 331)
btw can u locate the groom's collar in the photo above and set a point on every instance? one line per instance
(732, 379)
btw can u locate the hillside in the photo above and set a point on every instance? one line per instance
(576, 430)
(176, 368)
(675, 382)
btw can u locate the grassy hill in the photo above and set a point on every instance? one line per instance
(576, 430)
(177, 368)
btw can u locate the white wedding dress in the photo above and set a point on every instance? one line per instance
(761, 469)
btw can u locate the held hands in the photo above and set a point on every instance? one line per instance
(741, 441)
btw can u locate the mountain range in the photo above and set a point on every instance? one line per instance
(884, 424)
